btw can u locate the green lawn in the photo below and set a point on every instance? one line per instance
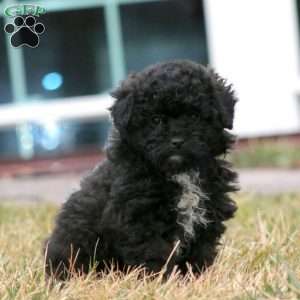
(264, 154)
(259, 259)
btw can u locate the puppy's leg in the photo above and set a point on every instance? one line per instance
(71, 246)
(152, 252)
(153, 255)
(135, 229)
(202, 257)
(204, 248)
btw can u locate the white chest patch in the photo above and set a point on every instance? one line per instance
(191, 207)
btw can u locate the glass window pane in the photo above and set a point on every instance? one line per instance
(163, 30)
(8, 144)
(66, 137)
(5, 88)
(52, 139)
(72, 57)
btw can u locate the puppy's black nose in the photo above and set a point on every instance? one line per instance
(177, 142)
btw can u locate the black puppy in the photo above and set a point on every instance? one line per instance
(162, 194)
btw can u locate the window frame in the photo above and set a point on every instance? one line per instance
(16, 65)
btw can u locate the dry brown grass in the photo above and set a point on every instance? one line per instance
(259, 259)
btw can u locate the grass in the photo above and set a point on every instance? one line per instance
(259, 259)
(256, 154)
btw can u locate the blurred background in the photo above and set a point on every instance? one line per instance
(54, 98)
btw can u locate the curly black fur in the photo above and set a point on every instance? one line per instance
(165, 151)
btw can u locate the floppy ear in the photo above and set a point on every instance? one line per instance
(121, 110)
(226, 99)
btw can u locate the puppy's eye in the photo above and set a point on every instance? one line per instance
(195, 116)
(157, 120)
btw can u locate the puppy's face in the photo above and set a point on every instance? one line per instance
(172, 114)
(173, 139)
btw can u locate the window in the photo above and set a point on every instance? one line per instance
(163, 30)
(72, 57)
(67, 137)
(81, 53)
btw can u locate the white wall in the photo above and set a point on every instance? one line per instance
(254, 43)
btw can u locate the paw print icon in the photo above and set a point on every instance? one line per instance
(24, 32)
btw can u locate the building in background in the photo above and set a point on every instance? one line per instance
(53, 98)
